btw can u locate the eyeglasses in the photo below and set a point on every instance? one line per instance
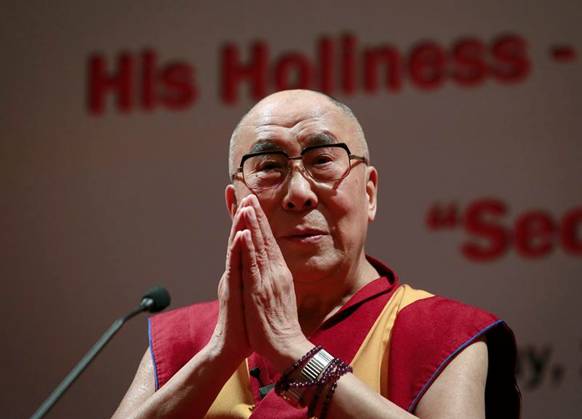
(323, 163)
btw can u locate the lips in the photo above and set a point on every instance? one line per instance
(304, 234)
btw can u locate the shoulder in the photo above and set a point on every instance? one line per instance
(177, 335)
(182, 316)
(184, 323)
(429, 333)
(429, 320)
(458, 391)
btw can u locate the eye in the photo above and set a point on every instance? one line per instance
(322, 159)
(268, 163)
(319, 158)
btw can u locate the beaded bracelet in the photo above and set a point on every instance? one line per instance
(329, 378)
(285, 382)
(341, 370)
(289, 388)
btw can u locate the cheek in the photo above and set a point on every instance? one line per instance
(271, 205)
(348, 215)
(240, 191)
(351, 201)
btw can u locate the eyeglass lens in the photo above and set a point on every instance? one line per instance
(324, 164)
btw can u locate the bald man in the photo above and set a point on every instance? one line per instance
(299, 294)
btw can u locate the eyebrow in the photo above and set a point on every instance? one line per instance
(322, 138)
(265, 145)
(268, 145)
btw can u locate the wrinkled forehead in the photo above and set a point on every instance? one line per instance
(293, 126)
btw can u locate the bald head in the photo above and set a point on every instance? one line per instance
(308, 101)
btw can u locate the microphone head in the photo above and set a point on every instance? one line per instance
(156, 299)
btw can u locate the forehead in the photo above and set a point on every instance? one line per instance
(293, 124)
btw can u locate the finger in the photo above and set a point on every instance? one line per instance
(250, 271)
(237, 225)
(235, 284)
(268, 239)
(248, 212)
(256, 233)
(234, 260)
(232, 268)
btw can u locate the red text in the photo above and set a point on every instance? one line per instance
(533, 234)
(139, 81)
(343, 66)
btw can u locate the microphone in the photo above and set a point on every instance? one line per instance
(156, 299)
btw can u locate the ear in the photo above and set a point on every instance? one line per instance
(230, 200)
(372, 191)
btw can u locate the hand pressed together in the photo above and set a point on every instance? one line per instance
(258, 308)
(230, 335)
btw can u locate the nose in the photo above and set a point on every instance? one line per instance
(299, 195)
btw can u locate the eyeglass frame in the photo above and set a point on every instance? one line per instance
(300, 157)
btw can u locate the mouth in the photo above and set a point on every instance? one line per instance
(304, 236)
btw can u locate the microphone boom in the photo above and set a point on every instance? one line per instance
(156, 299)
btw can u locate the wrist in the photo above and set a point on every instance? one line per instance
(291, 353)
(311, 381)
(223, 356)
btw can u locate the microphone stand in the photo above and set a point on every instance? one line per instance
(86, 360)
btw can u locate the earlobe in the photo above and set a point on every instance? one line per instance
(230, 200)
(372, 192)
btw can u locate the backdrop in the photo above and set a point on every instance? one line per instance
(114, 124)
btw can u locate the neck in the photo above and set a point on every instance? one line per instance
(319, 300)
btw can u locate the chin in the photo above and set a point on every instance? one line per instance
(310, 268)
